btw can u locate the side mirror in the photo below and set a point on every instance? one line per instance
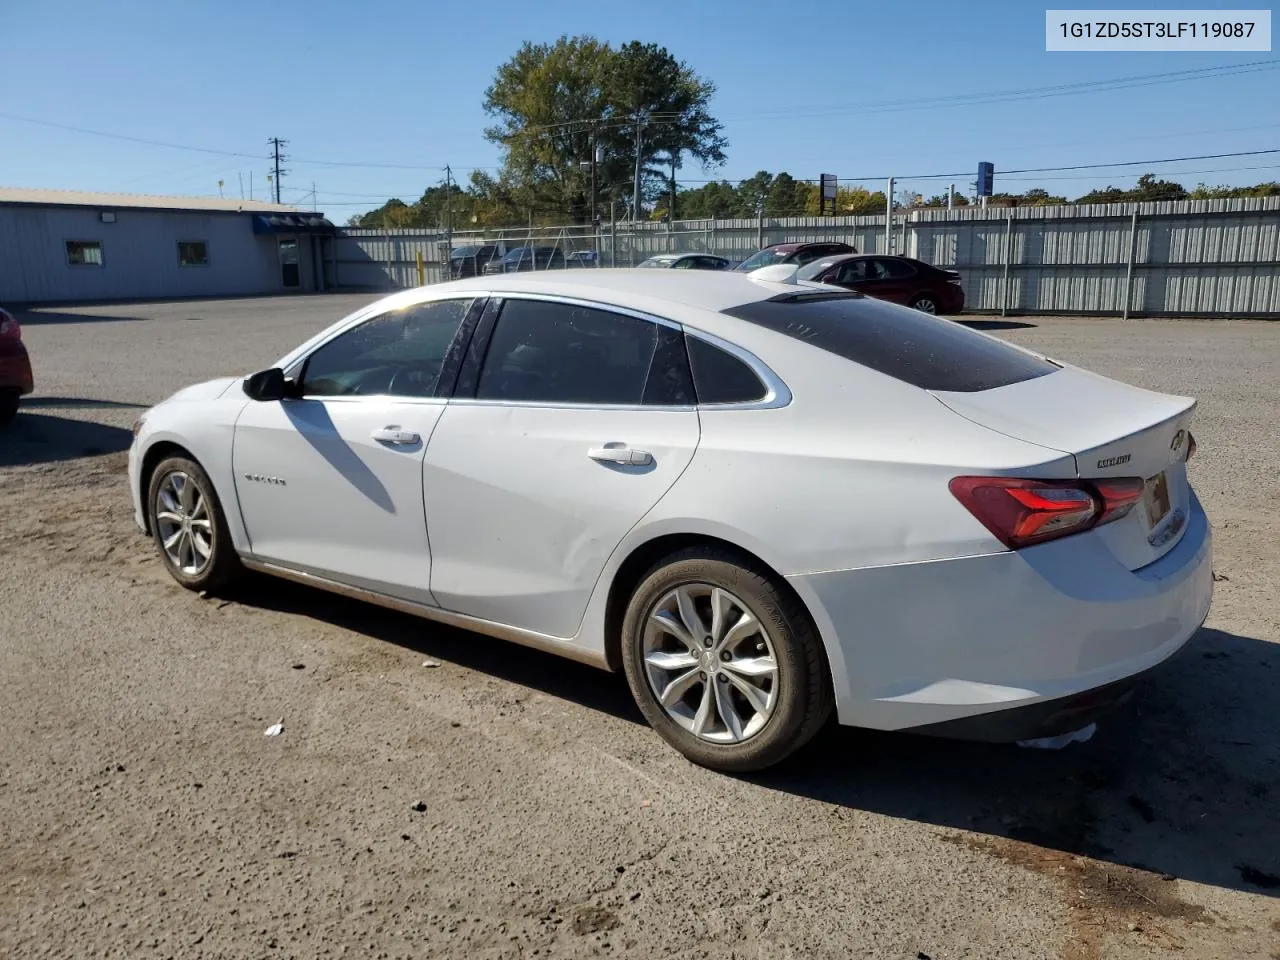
(266, 385)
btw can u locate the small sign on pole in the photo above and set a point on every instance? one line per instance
(827, 198)
(986, 178)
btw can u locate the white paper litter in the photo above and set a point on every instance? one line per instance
(1057, 743)
(431, 663)
(275, 729)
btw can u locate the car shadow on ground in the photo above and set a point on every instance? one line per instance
(40, 438)
(545, 672)
(34, 318)
(1181, 782)
(977, 323)
(77, 403)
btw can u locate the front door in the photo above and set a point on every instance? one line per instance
(290, 272)
(330, 482)
(580, 420)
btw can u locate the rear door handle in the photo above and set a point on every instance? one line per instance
(620, 453)
(394, 434)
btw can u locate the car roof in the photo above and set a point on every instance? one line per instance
(626, 287)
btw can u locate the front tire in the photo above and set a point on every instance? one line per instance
(189, 527)
(724, 662)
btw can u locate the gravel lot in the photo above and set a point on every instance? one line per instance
(509, 804)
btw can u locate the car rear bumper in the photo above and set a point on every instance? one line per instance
(1044, 635)
(15, 368)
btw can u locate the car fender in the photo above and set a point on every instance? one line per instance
(592, 634)
(206, 430)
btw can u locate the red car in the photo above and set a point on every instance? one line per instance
(15, 367)
(912, 283)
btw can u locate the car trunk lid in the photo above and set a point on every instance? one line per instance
(1112, 429)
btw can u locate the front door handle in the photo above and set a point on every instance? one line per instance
(394, 434)
(620, 453)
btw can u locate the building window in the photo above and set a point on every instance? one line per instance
(193, 253)
(84, 253)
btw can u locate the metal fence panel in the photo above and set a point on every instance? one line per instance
(1189, 258)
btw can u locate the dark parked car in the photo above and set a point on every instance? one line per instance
(797, 253)
(519, 259)
(470, 261)
(687, 261)
(15, 367)
(912, 283)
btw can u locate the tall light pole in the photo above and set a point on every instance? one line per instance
(635, 186)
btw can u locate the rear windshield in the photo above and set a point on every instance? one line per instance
(911, 346)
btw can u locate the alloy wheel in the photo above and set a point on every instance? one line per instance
(710, 663)
(926, 305)
(183, 523)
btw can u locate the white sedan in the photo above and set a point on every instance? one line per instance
(765, 501)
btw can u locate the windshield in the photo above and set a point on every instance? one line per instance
(811, 270)
(762, 259)
(659, 262)
(519, 253)
(460, 252)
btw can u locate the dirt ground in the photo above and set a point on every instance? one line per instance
(510, 804)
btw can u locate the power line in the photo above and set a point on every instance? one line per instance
(1006, 96)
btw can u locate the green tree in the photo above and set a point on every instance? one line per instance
(785, 197)
(552, 102)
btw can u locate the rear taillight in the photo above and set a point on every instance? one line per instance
(1020, 513)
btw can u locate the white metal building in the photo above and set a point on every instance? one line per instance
(66, 246)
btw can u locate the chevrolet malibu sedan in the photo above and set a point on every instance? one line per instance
(765, 502)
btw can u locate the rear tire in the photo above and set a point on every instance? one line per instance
(925, 303)
(744, 688)
(189, 527)
(8, 406)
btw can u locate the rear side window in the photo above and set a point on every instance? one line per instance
(720, 377)
(551, 352)
(895, 269)
(911, 346)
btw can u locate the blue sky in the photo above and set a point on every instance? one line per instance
(402, 82)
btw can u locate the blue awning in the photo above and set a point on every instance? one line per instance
(310, 223)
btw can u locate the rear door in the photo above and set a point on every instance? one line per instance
(889, 279)
(569, 423)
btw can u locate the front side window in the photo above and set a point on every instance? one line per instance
(547, 352)
(398, 354)
(193, 253)
(84, 253)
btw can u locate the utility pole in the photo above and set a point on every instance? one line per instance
(888, 217)
(635, 186)
(951, 196)
(277, 143)
(671, 218)
(313, 196)
(448, 208)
